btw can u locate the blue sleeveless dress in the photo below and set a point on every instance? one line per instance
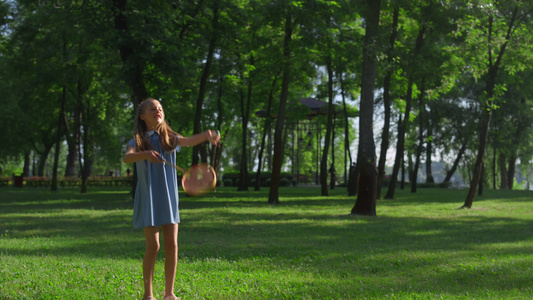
(156, 195)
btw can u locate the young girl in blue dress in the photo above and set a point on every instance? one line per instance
(156, 195)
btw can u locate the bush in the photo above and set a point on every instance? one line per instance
(433, 185)
(264, 180)
(284, 182)
(40, 182)
(228, 182)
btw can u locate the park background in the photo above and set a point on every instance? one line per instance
(283, 81)
(364, 121)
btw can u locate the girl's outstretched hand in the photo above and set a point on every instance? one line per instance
(213, 136)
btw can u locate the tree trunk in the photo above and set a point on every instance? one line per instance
(58, 139)
(480, 186)
(400, 144)
(216, 153)
(492, 74)
(332, 172)
(72, 158)
(133, 67)
(366, 158)
(86, 171)
(273, 197)
(503, 171)
(245, 116)
(414, 173)
(327, 139)
(202, 89)
(73, 146)
(421, 114)
(511, 171)
(387, 102)
(268, 125)
(402, 183)
(341, 67)
(494, 167)
(521, 125)
(476, 176)
(87, 167)
(353, 180)
(88, 145)
(429, 153)
(43, 157)
(402, 127)
(347, 153)
(450, 172)
(27, 163)
(429, 148)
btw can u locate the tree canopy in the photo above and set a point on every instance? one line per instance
(434, 82)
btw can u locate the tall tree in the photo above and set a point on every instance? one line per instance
(402, 126)
(414, 173)
(202, 89)
(511, 129)
(413, 71)
(248, 78)
(59, 136)
(131, 56)
(246, 102)
(273, 196)
(329, 129)
(267, 129)
(389, 71)
(497, 24)
(366, 157)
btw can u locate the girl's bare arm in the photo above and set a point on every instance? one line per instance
(132, 155)
(193, 140)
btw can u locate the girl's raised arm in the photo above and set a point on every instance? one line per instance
(193, 140)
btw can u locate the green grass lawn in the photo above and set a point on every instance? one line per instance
(65, 245)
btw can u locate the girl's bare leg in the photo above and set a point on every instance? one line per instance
(151, 235)
(170, 236)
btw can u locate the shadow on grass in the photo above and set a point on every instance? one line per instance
(99, 225)
(306, 235)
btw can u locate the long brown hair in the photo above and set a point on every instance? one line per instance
(166, 134)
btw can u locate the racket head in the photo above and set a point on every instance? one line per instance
(199, 179)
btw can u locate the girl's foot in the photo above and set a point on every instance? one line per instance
(149, 298)
(171, 297)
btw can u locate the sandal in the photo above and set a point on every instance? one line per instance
(171, 297)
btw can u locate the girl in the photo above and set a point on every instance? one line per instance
(156, 195)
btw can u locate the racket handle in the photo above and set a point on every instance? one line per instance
(173, 165)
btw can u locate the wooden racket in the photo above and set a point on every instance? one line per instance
(198, 179)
